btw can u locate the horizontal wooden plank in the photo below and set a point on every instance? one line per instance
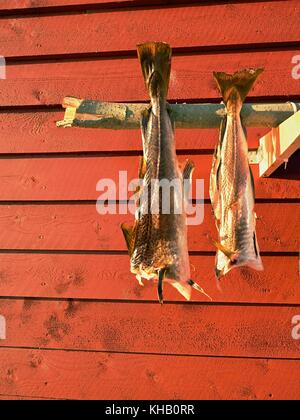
(115, 376)
(114, 30)
(44, 5)
(36, 132)
(108, 277)
(29, 4)
(80, 227)
(251, 331)
(19, 398)
(121, 79)
(37, 178)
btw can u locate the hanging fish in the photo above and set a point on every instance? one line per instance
(157, 242)
(232, 190)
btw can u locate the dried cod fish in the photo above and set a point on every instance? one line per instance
(157, 242)
(231, 185)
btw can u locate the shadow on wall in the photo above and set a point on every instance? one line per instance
(291, 171)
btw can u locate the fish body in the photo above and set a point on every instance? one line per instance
(232, 186)
(158, 245)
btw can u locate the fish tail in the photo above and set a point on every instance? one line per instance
(199, 288)
(235, 87)
(184, 287)
(155, 59)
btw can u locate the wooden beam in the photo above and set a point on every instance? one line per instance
(95, 114)
(278, 145)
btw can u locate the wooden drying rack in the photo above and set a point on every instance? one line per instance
(275, 148)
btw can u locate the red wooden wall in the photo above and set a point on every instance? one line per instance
(78, 324)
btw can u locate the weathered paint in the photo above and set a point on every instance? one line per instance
(97, 276)
(114, 376)
(242, 24)
(120, 79)
(46, 226)
(36, 178)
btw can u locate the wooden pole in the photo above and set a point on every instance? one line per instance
(95, 114)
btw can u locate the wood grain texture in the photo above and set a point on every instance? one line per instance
(116, 31)
(251, 331)
(37, 178)
(121, 79)
(80, 227)
(36, 132)
(115, 376)
(108, 277)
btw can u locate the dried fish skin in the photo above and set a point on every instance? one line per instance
(232, 189)
(158, 240)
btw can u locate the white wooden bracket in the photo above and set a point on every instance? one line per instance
(277, 146)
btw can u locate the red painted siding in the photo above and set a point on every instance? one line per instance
(65, 286)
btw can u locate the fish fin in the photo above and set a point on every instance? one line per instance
(188, 170)
(139, 279)
(129, 234)
(231, 255)
(197, 287)
(161, 275)
(218, 224)
(240, 82)
(155, 59)
(187, 174)
(142, 167)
